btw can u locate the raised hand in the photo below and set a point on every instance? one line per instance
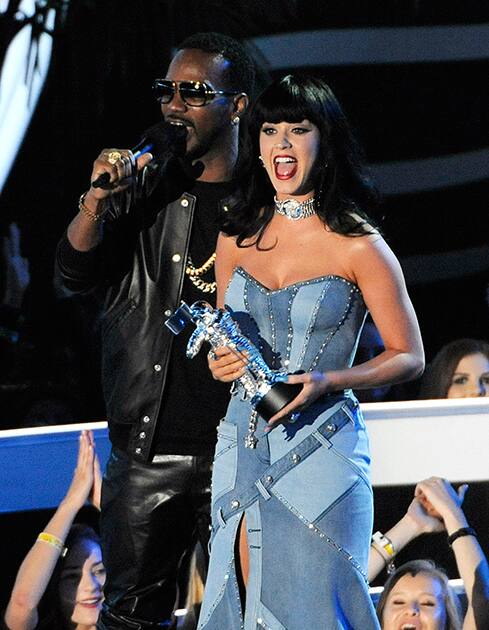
(85, 478)
(440, 500)
(424, 522)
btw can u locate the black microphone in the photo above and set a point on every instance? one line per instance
(163, 140)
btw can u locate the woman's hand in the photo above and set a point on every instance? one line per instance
(315, 384)
(96, 491)
(227, 365)
(441, 501)
(424, 522)
(86, 478)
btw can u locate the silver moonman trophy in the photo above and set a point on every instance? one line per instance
(266, 389)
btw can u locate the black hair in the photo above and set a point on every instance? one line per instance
(343, 191)
(439, 374)
(241, 71)
(50, 617)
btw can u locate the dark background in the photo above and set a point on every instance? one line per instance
(97, 94)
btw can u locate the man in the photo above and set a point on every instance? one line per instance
(156, 248)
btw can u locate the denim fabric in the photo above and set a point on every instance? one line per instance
(305, 489)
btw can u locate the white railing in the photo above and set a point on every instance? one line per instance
(409, 441)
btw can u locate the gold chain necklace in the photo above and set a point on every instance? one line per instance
(194, 274)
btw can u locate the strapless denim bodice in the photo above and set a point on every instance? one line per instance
(309, 325)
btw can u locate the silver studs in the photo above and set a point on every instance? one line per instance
(235, 504)
(176, 258)
(331, 426)
(184, 203)
(146, 419)
(138, 451)
(269, 479)
(341, 321)
(339, 549)
(142, 435)
(168, 312)
(296, 458)
(157, 367)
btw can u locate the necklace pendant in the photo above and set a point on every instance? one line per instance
(295, 210)
(292, 209)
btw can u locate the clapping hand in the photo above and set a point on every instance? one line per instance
(86, 482)
(440, 500)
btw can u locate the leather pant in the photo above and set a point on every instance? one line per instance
(152, 516)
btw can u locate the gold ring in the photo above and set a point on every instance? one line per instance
(113, 157)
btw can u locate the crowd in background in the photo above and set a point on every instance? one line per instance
(59, 585)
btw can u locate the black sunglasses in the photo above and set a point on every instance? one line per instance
(193, 93)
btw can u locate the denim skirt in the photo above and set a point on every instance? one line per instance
(307, 501)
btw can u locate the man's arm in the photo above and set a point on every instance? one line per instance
(78, 254)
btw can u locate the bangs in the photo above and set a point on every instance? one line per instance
(289, 100)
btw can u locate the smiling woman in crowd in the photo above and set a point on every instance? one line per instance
(459, 370)
(59, 585)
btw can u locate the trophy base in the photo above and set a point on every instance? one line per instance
(276, 398)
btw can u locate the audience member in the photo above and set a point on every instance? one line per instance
(418, 590)
(418, 595)
(459, 370)
(59, 583)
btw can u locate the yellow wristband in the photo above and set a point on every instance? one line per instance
(54, 541)
(383, 545)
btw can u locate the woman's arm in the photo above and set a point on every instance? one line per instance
(225, 365)
(414, 523)
(378, 275)
(226, 256)
(419, 519)
(439, 495)
(38, 565)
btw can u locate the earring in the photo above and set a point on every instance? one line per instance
(235, 120)
(262, 161)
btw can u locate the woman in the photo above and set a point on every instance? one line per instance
(459, 370)
(418, 595)
(60, 582)
(298, 274)
(418, 591)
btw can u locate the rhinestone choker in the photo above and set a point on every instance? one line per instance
(293, 209)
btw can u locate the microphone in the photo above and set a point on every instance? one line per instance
(163, 140)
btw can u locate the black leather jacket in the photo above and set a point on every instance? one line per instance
(140, 267)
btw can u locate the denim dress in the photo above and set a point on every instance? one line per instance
(304, 489)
